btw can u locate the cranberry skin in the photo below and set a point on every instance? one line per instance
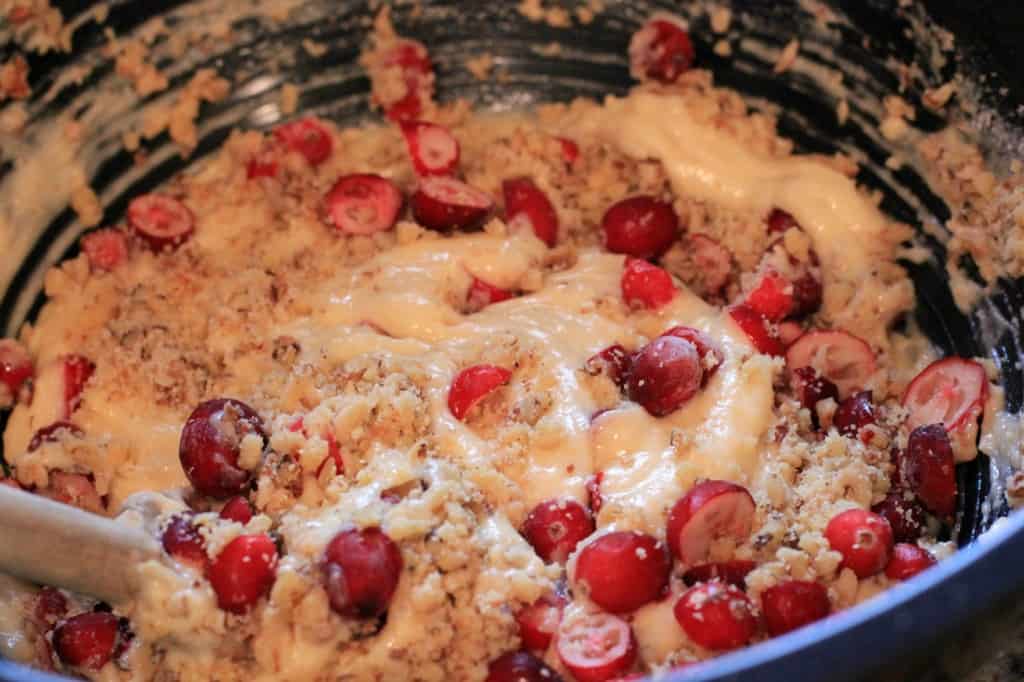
(711, 357)
(539, 621)
(716, 616)
(520, 666)
(623, 570)
(416, 68)
(645, 285)
(363, 203)
(361, 572)
(596, 647)
(708, 511)
(524, 201)
(863, 538)
(472, 385)
(661, 50)
(307, 137)
(53, 433)
(482, 294)
(87, 640)
(772, 297)
(243, 572)
(210, 443)
(755, 326)
(928, 468)
(161, 221)
(666, 373)
(433, 149)
(237, 509)
(641, 227)
(181, 539)
(554, 528)
(77, 371)
(907, 517)
(793, 604)
(444, 203)
(615, 361)
(854, 413)
(733, 572)
(779, 221)
(907, 561)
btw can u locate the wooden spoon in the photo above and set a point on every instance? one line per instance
(50, 543)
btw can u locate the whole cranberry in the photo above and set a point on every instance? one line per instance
(211, 444)
(666, 373)
(361, 572)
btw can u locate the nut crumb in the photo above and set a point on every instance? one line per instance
(787, 57)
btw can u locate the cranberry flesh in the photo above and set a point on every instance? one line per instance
(520, 666)
(793, 604)
(928, 468)
(308, 137)
(210, 446)
(161, 221)
(527, 203)
(907, 561)
(361, 571)
(661, 50)
(87, 640)
(181, 539)
(472, 385)
(363, 203)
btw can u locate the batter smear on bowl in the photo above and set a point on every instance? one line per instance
(591, 392)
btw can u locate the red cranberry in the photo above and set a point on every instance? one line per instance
(772, 297)
(444, 203)
(361, 572)
(527, 203)
(661, 50)
(711, 357)
(623, 570)
(863, 538)
(793, 604)
(210, 446)
(928, 468)
(906, 516)
(472, 385)
(15, 369)
(181, 539)
(755, 326)
(53, 433)
(243, 572)
(666, 373)
(520, 666)
(161, 222)
(105, 249)
(307, 137)
(414, 61)
(554, 528)
(87, 640)
(641, 227)
(595, 647)
(570, 150)
(854, 413)
(645, 285)
(434, 150)
(237, 509)
(539, 621)
(709, 511)
(481, 294)
(51, 605)
(614, 361)
(951, 392)
(779, 221)
(843, 358)
(907, 561)
(733, 572)
(716, 616)
(77, 371)
(363, 203)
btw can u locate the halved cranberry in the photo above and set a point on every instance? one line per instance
(645, 285)
(793, 604)
(237, 509)
(105, 249)
(665, 375)
(596, 647)
(570, 150)
(243, 572)
(951, 392)
(51, 605)
(76, 490)
(778, 221)
(181, 539)
(443, 203)
(811, 388)
(15, 369)
(928, 468)
(472, 385)
(907, 561)
(210, 446)
(308, 137)
(594, 497)
(623, 570)
(554, 528)
(77, 371)
(863, 538)
(854, 413)
(161, 222)
(906, 516)
(661, 50)
(614, 361)
(414, 60)
(434, 150)
(713, 260)
(87, 640)
(520, 666)
(527, 204)
(361, 572)
(481, 294)
(733, 572)
(539, 621)
(363, 203)
(843, 358)
(711, 357)
(756, 327)
(641, 227)
(716, 616)
(772, 297)
(709, 511)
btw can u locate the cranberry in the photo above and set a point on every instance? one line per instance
(181, 539)
(928, 468)
(666, 373)
(756, 327)
(772, 297)
(595, 647)
(361, 572)
(51, 605)
(528, 204)
(15, 369)
(263, 165)
(733, 572)
(863, 538)
(614, 361)
(645, 285)
(363, 203)
(237, 509)
(811, 388)
(711, 357)
(554, 528)
(105, 249)
(77, 372)
(243, 572)
(539, 621)
(161, 222)
(641, 227)
(413, 60)
(716, 616)
(307, 137)
(660, 50)
(951, 392)
(788, 332)
(623, 570)
(843, 358)
(854, 413)
(793, 604)
(520, 666)
(907, 561)
(779, 221)
(53, 433)
(333, 457)
(76, 490)
(906, 516)
(87, 640)
(709, 511)
(433, 149)
(472, 385)
(210, 446)
(712, 260)
(807, 296)
(570, 150)
(481, 294)
(443, 203)
(594, 497)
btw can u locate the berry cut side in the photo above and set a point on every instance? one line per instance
(661, 50)
(444, 203)
(710, 511)
(363, 204)
(105, 249)
(308, 137)
(243, 572)
(161, 221)
(472, 385)
(842, 358)
(951, 392)
(596, 647)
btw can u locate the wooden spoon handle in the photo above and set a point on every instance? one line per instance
(50, 543)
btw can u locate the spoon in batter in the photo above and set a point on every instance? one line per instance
(50, 543)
